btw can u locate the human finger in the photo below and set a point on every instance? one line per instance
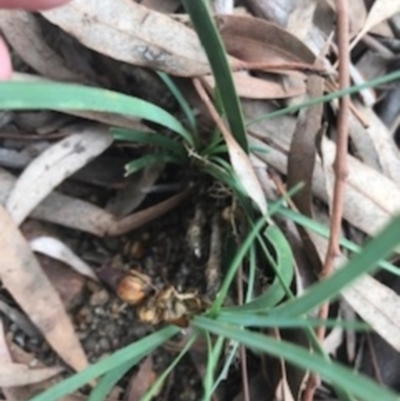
(5, 61)
(31, 4)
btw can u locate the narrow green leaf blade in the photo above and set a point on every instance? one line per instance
(59, 96)
(124, 355)
(365, 262)
(359, 386)
(212, 43)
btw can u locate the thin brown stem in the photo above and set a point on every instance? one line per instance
(340, 169)
(340, 164)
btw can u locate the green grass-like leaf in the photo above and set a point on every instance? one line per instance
(184, 105)
(148, 160)
(212, 43)
(363, 263)
(149, 138)
(322, 230)
(58, 96)
(394, 76)
(133, 352)
(359, 386)
(110, 379)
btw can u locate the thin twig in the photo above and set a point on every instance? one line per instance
(211, 108)
(340, 164)
(340, 169)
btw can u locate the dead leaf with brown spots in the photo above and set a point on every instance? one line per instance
(129, 32)
(23, 278)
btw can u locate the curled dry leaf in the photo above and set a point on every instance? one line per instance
(256, 40)
(16, 374)
(251, 87)
(378, 305)
(142, 380)
(78, 214)
(23, 33)
(240, 160)
(56, 249)
(130, 32)
(301, 159)
(22, 276)
(53, 166)
(384, 145)
(370, 197)
(380, 11)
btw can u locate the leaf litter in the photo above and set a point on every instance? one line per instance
(272, 48)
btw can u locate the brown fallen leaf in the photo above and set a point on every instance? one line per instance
(18, 355)
(84, 216)
(253, 39)
(378, 305)
(53, 166)
(272, 10)
(380, 11)
(251, 87)
(141, 381)
(301, 160)
(240, 160)
(23, 33)
(56, 249)
(382, 141)
(162, 6)
(17, 374)
(26, 282)
(129, 32)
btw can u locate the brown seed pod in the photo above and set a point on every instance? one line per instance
(148, 312)
(134, 287)
(170, 306)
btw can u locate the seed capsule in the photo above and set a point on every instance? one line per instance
(134, 287)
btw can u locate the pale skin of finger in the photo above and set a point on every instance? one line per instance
(31, 4)
(5, 62)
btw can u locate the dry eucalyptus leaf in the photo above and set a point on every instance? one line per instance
(252, 39)
(240, 161)
(84, 216)
(22, 32)
(384, 145)
(130, 197)
(301, 18)
(24, 279)
(363, 207)
(162, 6)
(283, 392)
(53, 166)
(380, 11)
(142, 380)
(17, 374)
(273, 10)
(250, 87)
(129, 32)
(245, 172)
(5, 356)
(56, 249)
(357, 14)
(378, 305)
